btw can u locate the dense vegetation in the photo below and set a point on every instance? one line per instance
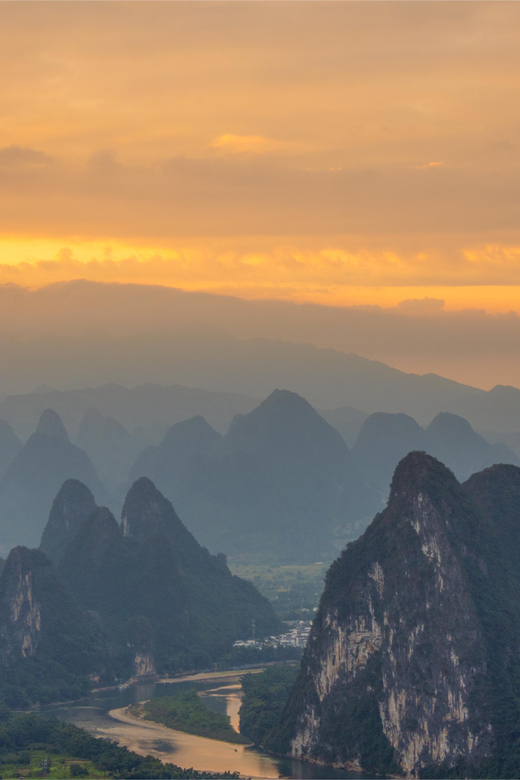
(242, 657)
(293, 590)
(152, 569)
(481, 528)
(26, 740)
(62, 644)
(185, 711)
(124, 600)
(41, 681)
(264, 697)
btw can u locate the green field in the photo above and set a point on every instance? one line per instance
(29, 763)
(294, 590)
(27, 740)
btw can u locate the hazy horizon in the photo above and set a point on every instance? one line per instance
(471, 347)
(346, 154)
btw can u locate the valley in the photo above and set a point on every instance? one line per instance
(259, 390)
(273, 501)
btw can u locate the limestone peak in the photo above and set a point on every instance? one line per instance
(50, 424)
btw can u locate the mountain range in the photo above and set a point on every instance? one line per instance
(384, 439)
(117, 600)
(281, 485)
(329, 379)
(146, 411)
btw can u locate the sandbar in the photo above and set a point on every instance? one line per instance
(186, 750)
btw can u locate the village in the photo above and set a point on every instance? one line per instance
(296, 636)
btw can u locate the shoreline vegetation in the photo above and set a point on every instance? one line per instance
(238, 760)
(138, 746)
(264, 697)
(185, 711)
(34, 747)
(225, 675)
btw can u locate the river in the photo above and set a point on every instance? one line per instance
(104, 714)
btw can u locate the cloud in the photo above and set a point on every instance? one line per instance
(422, 305)
(23, 156)
(337, 275)
(247, 144)
(191, 102)
(253, 194)
(428, 165)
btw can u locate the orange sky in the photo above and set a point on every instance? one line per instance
(343, 153)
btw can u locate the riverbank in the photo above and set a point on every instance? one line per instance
(225, 676)
(186, 711)
(147, 737)
(221, 692)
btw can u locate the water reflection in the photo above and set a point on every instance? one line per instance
(220, 694)
(225, 700)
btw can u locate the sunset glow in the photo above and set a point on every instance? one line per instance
(337, 153)
(484, 277)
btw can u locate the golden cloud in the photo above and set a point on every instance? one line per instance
(247, 144)
(428, 165)
(335, 275)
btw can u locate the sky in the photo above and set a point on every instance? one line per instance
(336, 153)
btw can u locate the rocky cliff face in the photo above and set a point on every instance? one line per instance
(213, 605)
(47, 645)
(22, 623)
(144, 665)
(411, 665)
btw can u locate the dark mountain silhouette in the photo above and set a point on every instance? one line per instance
(50, 424)
(383, 441)
(386, 438)
(10, 446)
(73, 504)
(281, 485)
(411, 667)
(172, 462)
(162, 600)
(452, 439)
(34, 477)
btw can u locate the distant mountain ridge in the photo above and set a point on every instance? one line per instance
(90, 318)
(327, 378)
(386, 438)
(34, 476)
(280, 485)
(146, 410)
